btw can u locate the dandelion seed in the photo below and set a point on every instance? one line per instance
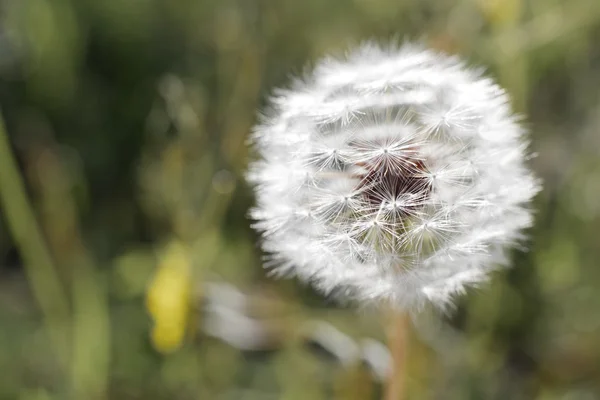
(391, 175)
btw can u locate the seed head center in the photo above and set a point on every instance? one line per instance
(404, 178)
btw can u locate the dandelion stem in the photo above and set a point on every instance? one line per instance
(398, 345)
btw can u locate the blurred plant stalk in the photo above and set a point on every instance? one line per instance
(81, 337)
(39, 266)
(90, 334)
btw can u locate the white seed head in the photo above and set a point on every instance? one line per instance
(392, 175)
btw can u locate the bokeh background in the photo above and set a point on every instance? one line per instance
(128, 269)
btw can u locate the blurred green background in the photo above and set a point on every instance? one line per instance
(127, 266)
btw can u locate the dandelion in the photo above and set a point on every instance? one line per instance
(393, 175)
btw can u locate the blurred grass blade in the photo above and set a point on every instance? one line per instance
(91, 332)
(39, 267)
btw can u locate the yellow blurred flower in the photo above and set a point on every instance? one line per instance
(168, 298)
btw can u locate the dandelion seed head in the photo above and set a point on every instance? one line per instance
(392, 175)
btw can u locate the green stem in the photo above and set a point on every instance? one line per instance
(39, 266)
